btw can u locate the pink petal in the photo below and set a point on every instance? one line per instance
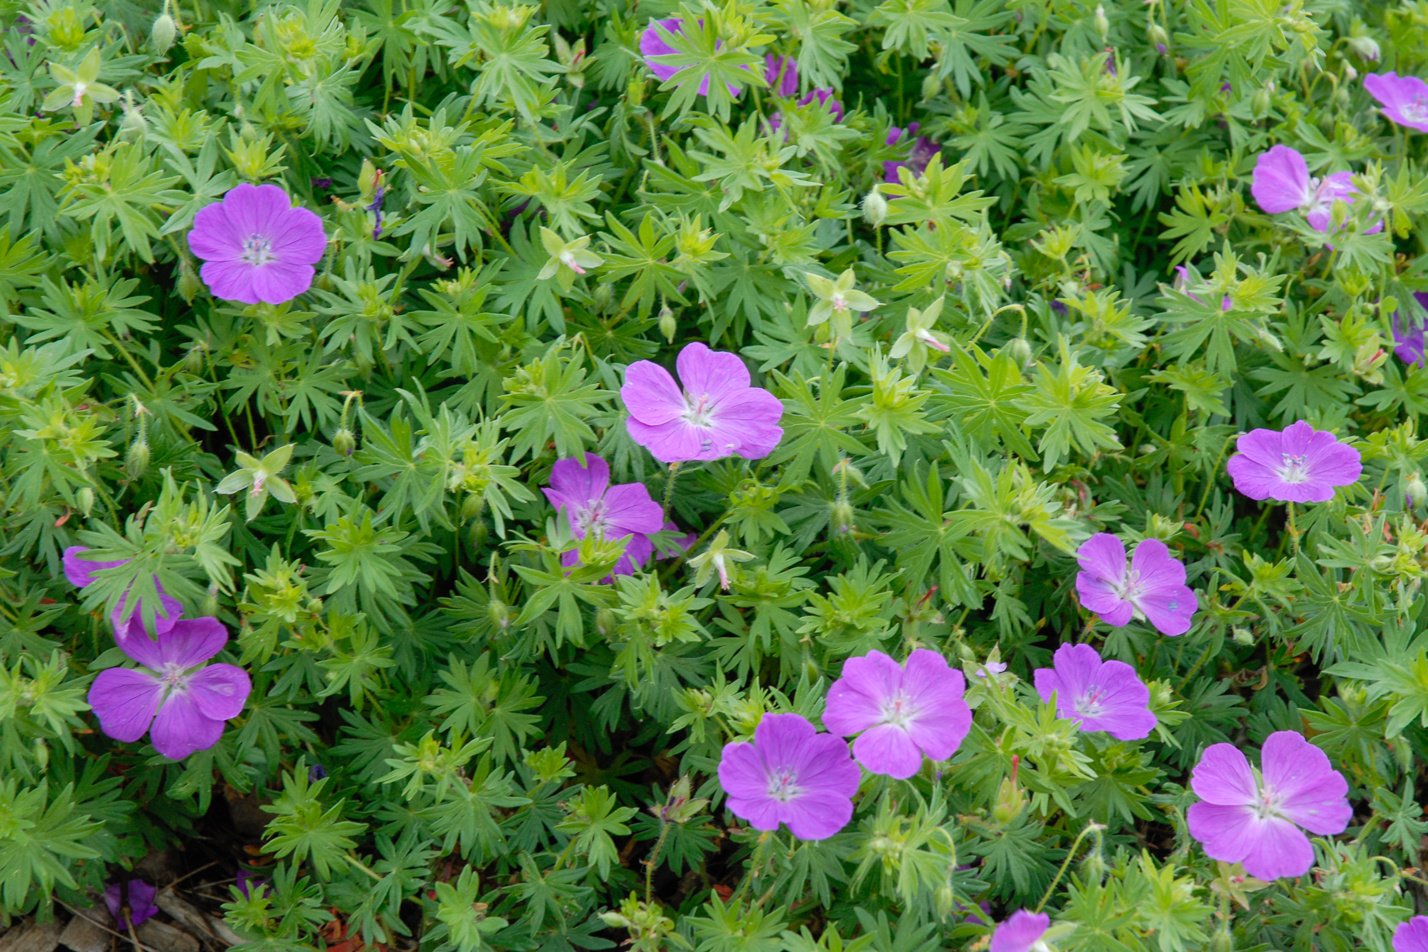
(213, 237)
(888, 750)
(279, 282)
(1276, 848)
(741, 771)
(300, 238)
(711, 372)
(220, 691)
(192, 641)
(125, 701)
(1223, 777)
(818, 816)
(651, 395)
(574, 485)
(856, 699)
(1281, 180)
(181, 729)
(230, 280)
(672, 442)
(1314, 794)
(629, 508)
(255, 209)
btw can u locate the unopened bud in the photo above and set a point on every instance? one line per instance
(1365, 47)
(875, 207)
(931, 85)
(85, 499)
(842, 517)
(344, 442)
(499, 613)
(667, 324)
(136, 461)
(188, 283)
(1242, 636)
(605, 622)
(1009, 803)
(1415, 490)
(1262, 100)
(1158, 37)
(1103, 26)
(163, 33)
(1020, 350)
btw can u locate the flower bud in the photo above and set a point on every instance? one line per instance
(136, 461)
(499, 613)
(1262, 100)
(1009, 803)
(188, 283)
(1365, 47)
(605, 622)
(1103, 25)
(133, 125)
(842, 517)
(1020, 350)
(667, 324)
(163, 33)
(1350, 74)
(931, 85)
(1158, 37)
(210, 602)
(85, 499)
(875, 207)
(1415, 491)
(344, 442)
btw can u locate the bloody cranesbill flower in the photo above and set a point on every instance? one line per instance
(790, 774)
(1412, 936)
(1297, 464)
(716, 414)
(592, 505)
(127, 619)
(655, 48)
(1151, 587)
(256, 246)
(1404, 98)
(131, 902)
(185, 699)
(824, 95)
(1022, 932)
(1408, 338)
(781, 73)
(1102, 695)
(1255, 817)
(1282, 184)
(900, 712)
(920, 154)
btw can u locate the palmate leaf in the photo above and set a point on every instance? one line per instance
(1072, 402)
(549, 400)
(718, 46)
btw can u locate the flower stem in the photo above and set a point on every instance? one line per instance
(669, 488)
(1095, 828)
(653, 859)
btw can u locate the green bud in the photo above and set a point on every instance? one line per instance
(1103, 25)
(1020, 350)
(188, 285)
(667, 324)
(1009, 803)
(1415, 490)
(137, 459)
(875, 207)
(499, 613)
(842, 517)
(1157, 36)
(85, 499)
(163, 33)
(1242, 636)
(1262, 100)
(344, 442)
(605, 622)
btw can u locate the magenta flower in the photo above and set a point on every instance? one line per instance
(1255, 818)
(824, 95)
(127, 619)
(1152, 587)
(920, 154)
(1102, 695)
(1408, 338)
(1412, 936)
(900, 712)
(1404, 98)
(790, 774)
(655, 48)
(781, 73)
(1282, 184)
(255, 246)
(591, 504)
(137, 896)
(1298, 464)
(717, 414)
(1022, 932)
(184, 700)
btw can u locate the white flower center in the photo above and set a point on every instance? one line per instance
(173, 679)
(1089, 703)
(898, 710)
(783, 785)
(1293, 469)
(1267, 804)
(1130, 588)
(1417, 110)
(258, 250)
(839, 302)
(699, 412)
(591, 518)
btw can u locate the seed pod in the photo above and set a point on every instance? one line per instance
(163, 33)
(875, 207)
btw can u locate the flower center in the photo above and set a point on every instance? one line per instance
(591, 518)
(898, 710)
(839, 302)
(258, 250)
(699, 412)
(1267, 804)
(783, 784)
(1130, 588)
(1089, 703)
(1417, 110)
(173, 679)
(1293, 469)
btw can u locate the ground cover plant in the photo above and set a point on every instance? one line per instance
(730, 476)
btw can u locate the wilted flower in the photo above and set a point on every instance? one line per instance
(1412, 936)
(1151, 587)
(574, 256)
(1255, 818)
(1282, 184)
(1404, 98)
(1297, 464)
(591, 504)
(1022, 932)
(1102, 695)
(255, 246)
(790, 774)
(899, 712)
(716, 414)
(185, 700)
(127, 619)
(131, 902)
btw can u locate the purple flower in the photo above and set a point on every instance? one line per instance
(717, 414)
(988, 669)
(137, 896)
(127, 619)
(1404, 98)
(1255, 818)
(1282, 184)
(1298, 464)
(781, 73)
(255, 246)
(824, 95)
(185, 700)
(1021, 932)
(900, 712)
(247, 883)
(591, 504)
(655, 48)
(1102, 695)
(790, 774)
(1152, 587)
(1412, 936)
(923, 149)
(1408, 339)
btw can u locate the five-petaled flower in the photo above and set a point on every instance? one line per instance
(592, 505)
(131, 902)
(899, 712)
(716, 414)
(185, 699)
(1152, 586)
(1282, 183)
(793, 775)
(1255, 817)
(1404, 98)
(1297, 464)
(255, 246)
(1102, 695)
(1021, 932)
(1412, 936)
